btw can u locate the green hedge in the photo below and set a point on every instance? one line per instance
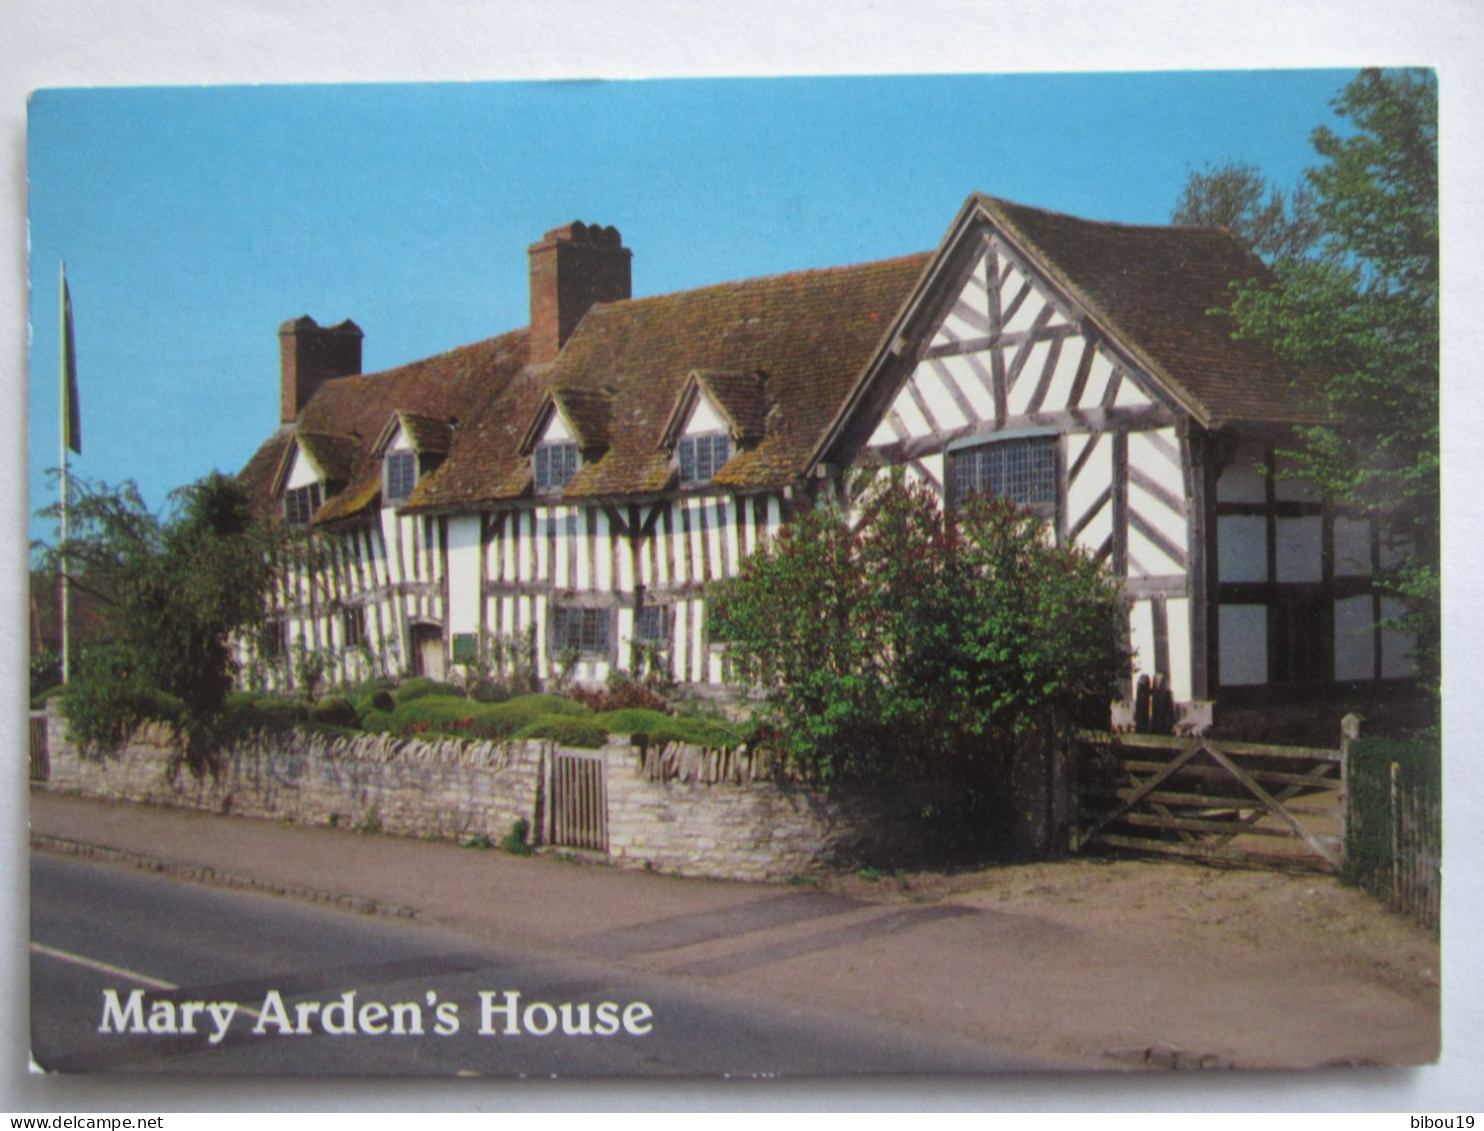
(1368, 832)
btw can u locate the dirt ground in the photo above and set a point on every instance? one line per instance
(1181, 965)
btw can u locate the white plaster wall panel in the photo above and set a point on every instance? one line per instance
(540, 546)
(399, 441)
(682, 641)
(911, 416)
(1300, 549)
(1154, 509)
(301, 474)
(1146, 559)
(1355, 638)
(556, 430)
(970, 375)
(697, 640)
(933, 467)
(585, 544)
(1097, 380)
(696, 564)
(613, 556)
(1018, 399)
(941, 402)
(885, 434)
(1352, 537)
(1240, 480)
(1242, 547)
(537, 616)
(968, 317)
(1141, 637)
(1396, 647)
(1129, 394)
(1094, 476)
(704, 418)
(554, 540)
(1024, 316)
(1059, 391)
(1098, 529)
(463, 574)
(1244, 645)
(731, 514)
(1177, 616)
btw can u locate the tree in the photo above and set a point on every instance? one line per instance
(1236, 196)
(1359, 307)
(916, 643)
(170, 591)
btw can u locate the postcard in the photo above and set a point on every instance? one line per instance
(736, 578)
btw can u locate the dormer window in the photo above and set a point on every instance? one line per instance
(401, 476)
(300, 503)
(701, 457)
(555, 464)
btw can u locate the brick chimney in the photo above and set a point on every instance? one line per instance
(571, 269)
(310, 355)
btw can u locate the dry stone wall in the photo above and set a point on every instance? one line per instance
(677, 822)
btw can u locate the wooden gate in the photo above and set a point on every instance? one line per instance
(41, 762)
(579, 801)
(1234, 802)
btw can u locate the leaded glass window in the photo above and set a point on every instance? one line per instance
(701, 457)
(300, 504)
(556, 463)
(1022, 471)
(583, 629)
(401, 475)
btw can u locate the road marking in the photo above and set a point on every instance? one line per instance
(101, 967)
(118, 972)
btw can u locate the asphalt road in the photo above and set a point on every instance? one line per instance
(160, 945)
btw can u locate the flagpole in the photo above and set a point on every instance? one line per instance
(65, 417)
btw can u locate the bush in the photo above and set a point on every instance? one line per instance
(486, 690)
(334, 710)
(422, 686)
(911, 643)
(515, 840)
(632, 721)
(568, 730)
(622, 693)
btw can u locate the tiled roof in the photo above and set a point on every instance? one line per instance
(1153, 288)
(780, 357)
(451, 390)
(810, 333)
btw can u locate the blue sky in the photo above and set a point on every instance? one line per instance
(195, 220)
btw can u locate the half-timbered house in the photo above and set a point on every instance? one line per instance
(569, 490)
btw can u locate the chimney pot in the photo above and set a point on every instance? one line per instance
(310, 355)
(573, 268)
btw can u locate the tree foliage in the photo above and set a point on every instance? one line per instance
(170, 591)
(1236, 196)
(912, 643)
(1359, 307)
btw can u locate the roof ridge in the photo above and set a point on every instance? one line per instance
(1000, 202)
(782, 276)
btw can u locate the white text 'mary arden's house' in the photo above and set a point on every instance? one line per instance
(570, 489)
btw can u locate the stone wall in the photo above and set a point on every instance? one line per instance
(677, 820)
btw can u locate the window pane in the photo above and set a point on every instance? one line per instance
(1022, 471)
